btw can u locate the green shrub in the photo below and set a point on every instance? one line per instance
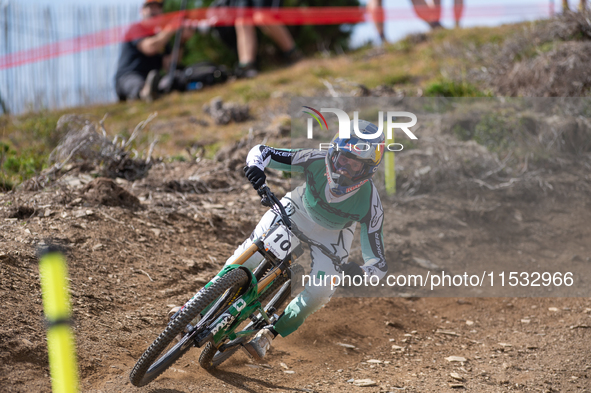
(12, 164)
(309, 39)
(178, 158)
(5, 183)
(24, 153)
(448, 88)
(398, 79)
(493, 132)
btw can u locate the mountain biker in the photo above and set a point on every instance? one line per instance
(338, 193)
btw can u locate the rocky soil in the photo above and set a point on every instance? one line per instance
(136, 248)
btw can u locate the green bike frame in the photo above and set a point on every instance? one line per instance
(240, 309)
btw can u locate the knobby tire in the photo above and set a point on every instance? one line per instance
(149, 366)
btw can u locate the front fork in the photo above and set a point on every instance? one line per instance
(205, 311)
(237, 263)
(238, 309)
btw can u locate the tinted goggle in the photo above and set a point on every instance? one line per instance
(348, 166)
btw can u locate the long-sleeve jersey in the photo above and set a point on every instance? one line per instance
(362, 205)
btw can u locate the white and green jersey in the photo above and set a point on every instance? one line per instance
(361, 205)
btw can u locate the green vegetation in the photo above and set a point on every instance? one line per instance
(6, 183)
(398, 79)
(411, 65)
(178, 158)
(493, 132)
(16, 167)
(212, 149)
(496, 129)
(24, 152)
(218, 44)
(532, 51)
(322, 72)
(448, 88)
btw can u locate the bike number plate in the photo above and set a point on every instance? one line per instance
(280, 241)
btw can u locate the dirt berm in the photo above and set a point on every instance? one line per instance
(163, 237)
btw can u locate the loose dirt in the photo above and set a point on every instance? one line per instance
(129, 265)
(106, 192)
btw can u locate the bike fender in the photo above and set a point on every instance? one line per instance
(237, 314)
(237, 309)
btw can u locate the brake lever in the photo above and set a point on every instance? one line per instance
(268, 199)
(264, 192)
(265, 201)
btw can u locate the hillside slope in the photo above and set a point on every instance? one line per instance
(137, 247)
(507, 60)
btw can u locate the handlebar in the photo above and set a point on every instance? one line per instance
(269, 199)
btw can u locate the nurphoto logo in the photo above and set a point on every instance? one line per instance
(345, 126)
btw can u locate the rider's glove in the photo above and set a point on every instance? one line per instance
(256, 176)
(352, 269)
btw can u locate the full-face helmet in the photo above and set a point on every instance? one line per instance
(351, 162)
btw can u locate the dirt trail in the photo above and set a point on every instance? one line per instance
(128, 263)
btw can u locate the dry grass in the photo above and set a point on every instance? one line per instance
(488, 60)
(540, 59)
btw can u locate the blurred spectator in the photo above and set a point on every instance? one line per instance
(377, 14)
(432, 13)
(142, 59)
(429, 13)
(247, 39)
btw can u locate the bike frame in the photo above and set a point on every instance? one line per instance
(246, 303)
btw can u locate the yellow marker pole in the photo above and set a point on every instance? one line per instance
(390, 168)
(60, 339)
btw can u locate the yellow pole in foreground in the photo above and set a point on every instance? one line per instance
(390, 168)
(60, 339)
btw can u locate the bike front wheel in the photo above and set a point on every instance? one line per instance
(151, 364)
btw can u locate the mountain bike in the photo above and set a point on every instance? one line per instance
(213, 316)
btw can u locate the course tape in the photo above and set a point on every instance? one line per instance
(228, 16)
